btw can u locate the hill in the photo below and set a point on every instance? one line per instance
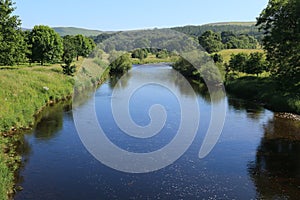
(232, 23)
(247, 28)
(75, 31)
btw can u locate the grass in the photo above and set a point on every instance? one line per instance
(152, 59)
(267, 91)
(24, 92)
(228, 52)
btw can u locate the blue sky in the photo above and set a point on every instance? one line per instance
(134, 14)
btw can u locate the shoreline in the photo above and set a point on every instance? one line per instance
(9, 157)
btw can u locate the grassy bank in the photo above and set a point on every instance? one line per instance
(262, 89)
(267, 91)
(24, 92)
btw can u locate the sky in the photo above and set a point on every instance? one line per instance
(113, 15)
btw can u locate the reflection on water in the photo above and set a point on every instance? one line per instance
(257, 155)
(276, 168)
(254, 111)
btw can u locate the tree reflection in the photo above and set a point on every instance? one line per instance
(50, 121)
(215, 95)
(276, 168)
(253, 110)
(119, 81)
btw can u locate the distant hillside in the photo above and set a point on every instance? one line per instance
(248, 28)
(232, 23)
(75, 31)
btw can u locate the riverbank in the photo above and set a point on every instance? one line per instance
(24, 92)
(266, 91)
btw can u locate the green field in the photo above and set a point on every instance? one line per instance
(228, 52)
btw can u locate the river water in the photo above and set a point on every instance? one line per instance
(256, 156)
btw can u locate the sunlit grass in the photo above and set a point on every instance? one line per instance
(228, 52)
(152, 59)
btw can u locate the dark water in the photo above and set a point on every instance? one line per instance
(257, 155)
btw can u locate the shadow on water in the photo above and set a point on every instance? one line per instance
(253, 110)
(276, 168)
(48, 124)
(50, 121)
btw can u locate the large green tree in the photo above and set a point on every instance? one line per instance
(70, 51)
(211, 41)
(255, 64)
(280, 22)
(46, 45)
(84, 46)
(12, 44)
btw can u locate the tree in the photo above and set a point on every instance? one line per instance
(13, 46)
(211, 41)
(280, 22)
(186, 68)
(84, 46)
(46, 45)
(140, 54)
(162, 54)
(69, 54)
(238, 62)
(217, 58)
(255, 64)
(69, 49)
(119, 63)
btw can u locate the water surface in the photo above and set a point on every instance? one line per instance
(257, 155)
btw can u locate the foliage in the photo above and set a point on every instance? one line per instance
(280, 22)
(152, 58)
(70, 51)
(226, 53)
(140, 54)
(119, 64)
(101, 37)
(13, 47)
(265, 90)
(83, 45)
(46, 45)
(254, 63)
(211, 41)
(238, 62)
(233, 41)
(185, 68)
(237, 28)
(69, 69)
(162, 54)
(217, 58)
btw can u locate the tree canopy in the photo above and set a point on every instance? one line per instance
(280, 22)
(46, 45)
(13, 47)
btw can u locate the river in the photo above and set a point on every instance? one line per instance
(256, 156)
